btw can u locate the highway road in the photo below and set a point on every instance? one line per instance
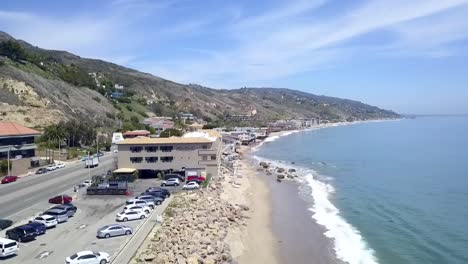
(21, 199)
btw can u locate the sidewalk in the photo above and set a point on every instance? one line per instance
(129, 249)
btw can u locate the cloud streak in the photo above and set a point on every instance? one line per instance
(229, 47)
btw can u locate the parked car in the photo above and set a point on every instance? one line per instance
(60, 199)
(138, 208)
(138, 202)
(5, 223)
(8, 179)
(48, 220)
(159, 189)
(87, 183)
(60, 165)
(41, 171)
(174, 176)
(21, 233)
(88, 257)
(171, 182)
(156, 194)
(59, 214)
(40, 228)
(114, 230)
(130, 215)
(8, 247)
(198, 179)
(191, 186)
(51, 167)
(150, 198)
(70, 208)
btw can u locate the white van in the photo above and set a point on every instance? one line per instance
(8, 247)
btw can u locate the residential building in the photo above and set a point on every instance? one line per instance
(195, 152)
(17, 144)
(159, 123)
(136, 133)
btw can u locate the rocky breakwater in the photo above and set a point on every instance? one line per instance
(194, 229)
(281, 173)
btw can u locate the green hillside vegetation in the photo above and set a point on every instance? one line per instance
(144, 93)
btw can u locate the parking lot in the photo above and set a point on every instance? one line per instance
(79, 233)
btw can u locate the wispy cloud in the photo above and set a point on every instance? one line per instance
(284, 41)
(230, 46)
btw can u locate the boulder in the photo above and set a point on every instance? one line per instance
(292, 170)
(280, 176)
(280, 170)
(244, 207)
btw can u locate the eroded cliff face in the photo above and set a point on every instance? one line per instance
(21, 104)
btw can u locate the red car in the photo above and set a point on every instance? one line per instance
(196, 178)
(61, 199)
(8, 179)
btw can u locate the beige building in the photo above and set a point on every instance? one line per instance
(198, 152)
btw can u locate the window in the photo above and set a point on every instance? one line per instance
(151, 149)
(151, 159)
(204, 157)
(213, 157)
(136, 149)
(167, 159)
(166, 148)
(204, 146)
(136, 159)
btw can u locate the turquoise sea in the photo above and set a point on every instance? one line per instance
(386, 192)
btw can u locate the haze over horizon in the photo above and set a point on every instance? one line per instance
(410, 57)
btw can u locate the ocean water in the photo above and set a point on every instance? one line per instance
(386, 192)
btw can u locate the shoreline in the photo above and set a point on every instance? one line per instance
(293, 236)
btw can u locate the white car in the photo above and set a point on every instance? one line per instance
(191, 186)
(130, 215)
(51, 167)
(171, 182)
(88, 257)
(60, 165)
(138, 208)
(143, 203)
(87, 183)
(48, 220)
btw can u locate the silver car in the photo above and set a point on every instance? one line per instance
(114, 230)
(59, 214)
(149, 198)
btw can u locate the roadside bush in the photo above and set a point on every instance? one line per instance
(4, 167)
(207, 181)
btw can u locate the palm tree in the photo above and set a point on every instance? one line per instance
(56, 134)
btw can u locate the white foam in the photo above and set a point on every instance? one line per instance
(348, 243)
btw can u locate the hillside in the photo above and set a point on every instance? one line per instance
(39, 87)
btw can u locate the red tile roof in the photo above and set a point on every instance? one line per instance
(14, 129)
(137, 133)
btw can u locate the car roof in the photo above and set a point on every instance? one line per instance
(6, 241)
(44, 216)
(24, 227)
(86, 252)
(55, 210)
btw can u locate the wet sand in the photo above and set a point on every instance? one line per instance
(297, 238)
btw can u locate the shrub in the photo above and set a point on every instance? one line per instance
(97, 99)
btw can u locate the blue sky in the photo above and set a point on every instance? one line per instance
(409, 56)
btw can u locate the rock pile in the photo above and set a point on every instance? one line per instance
(194, 229)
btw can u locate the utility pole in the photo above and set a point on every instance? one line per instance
(8, 160)
(89, 169)
(97, 145)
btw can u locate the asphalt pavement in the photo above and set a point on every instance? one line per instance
(22, 199)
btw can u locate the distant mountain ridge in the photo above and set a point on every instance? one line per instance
(71, 87)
